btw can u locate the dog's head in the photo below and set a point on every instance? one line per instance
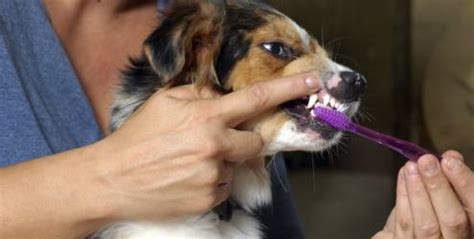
(233, 44)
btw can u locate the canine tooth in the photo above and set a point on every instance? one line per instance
(336, 105)
(332, 102)
(339, 107)
(312, 113)
(312, 101)
(326, 99)
(344, 108)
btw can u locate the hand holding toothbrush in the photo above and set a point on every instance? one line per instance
(435, 194)
(435, 199)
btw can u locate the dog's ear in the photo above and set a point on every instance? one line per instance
(183, 49)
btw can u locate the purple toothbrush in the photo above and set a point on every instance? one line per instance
(342, 122)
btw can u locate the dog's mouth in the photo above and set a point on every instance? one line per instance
(302, 111)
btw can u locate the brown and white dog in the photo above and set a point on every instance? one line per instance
(229, 46)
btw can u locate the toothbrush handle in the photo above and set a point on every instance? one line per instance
(407, 149)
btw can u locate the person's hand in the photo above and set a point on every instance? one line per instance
(174, 156)
(434, 200)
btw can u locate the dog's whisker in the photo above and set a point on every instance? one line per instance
(313, 167)
(336, 40)
(322, 38)
(352, 61)
(280, 180)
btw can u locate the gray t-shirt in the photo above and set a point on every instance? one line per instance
(43, 109)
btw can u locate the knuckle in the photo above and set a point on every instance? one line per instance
(429, 230)
(456, 222)
(403, 192)
(417, 191)
(257, 141)
(208, 178)
(436, 184)
(257, 95)
(463, 183)
(213, 146)
(405, 224)
(254, 144)
(200, 113)
(212, 176)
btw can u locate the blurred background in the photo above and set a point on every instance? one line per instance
(418, 56)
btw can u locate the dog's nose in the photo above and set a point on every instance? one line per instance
(347, 86)
(350, 77)
(355, 84)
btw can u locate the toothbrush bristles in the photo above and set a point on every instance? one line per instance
(335, 119)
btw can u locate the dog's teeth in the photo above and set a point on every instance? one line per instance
(312, 113)
(344, 107)
(326, 100)
(336, 105)
(339, 107)
(312, 101)
(332, 102)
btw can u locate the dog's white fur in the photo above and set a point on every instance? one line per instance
(242, 225)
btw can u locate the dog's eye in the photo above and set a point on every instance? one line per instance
(278, 49)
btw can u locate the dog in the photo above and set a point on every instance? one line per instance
(228, 46)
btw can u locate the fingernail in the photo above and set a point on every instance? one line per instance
(456, 155)
(430, 166)
(312, 82)
(453, 164)
(412, 168)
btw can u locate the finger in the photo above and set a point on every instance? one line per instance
(390, 226)
(450, 213)
(244, 145)
(383, 235)
(424, 218)
(237, 107)
(453, 154)
(403, 218)
(462, 180)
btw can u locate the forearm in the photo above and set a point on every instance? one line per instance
(57, 196)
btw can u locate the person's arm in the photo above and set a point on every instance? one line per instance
(146, 169)
(58, 196)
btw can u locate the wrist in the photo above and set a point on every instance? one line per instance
(101, 203)
(91, 207)
(110, 199)
(60, 192)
